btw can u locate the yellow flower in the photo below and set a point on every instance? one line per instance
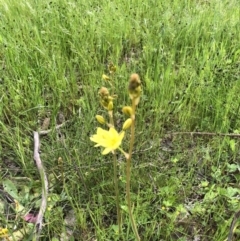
(110, 140)
(3, 232)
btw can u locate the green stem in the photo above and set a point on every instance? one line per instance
(128, 173)
(115, 180)
(119, 219)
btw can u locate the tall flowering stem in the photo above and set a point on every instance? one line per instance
(112, 70)
(111, 140)
(115, 180)
(128, 175)
(134, 89)
(107, 102)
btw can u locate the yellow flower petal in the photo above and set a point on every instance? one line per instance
(3, 232)
(110, 139)
(106, 151)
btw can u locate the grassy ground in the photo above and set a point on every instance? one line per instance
(187, 53)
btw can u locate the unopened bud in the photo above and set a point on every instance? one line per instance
(100, 119)
(110, 105)
(103, 92)
(127, 124)
(105, 77)
(134, 86)
(112, 68)
(127, 110)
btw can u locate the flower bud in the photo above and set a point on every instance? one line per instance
(105, 77)
(134, 86)
(127, 124)
(112, 68)
(110, 105)
(100, 119)
(105, 98)
(103, 92)
(127, 110)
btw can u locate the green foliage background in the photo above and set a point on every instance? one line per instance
(187, 53)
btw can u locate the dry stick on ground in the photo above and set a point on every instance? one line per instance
(44, 181)
(205, 134)
(48, 131)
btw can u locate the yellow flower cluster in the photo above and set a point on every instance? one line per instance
(134, 88)
(106, 99)
(111, 139)
(3, 232)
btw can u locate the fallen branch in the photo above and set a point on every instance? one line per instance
(44, 181)
(205, 134)
(45, 132)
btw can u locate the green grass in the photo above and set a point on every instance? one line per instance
(187, 53)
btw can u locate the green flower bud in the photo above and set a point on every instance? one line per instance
(110, 105)
(105, 77)
(100, 119)
(127, 124)
(127, 110)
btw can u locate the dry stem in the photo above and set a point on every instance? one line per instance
(205, 134)
(39, 222)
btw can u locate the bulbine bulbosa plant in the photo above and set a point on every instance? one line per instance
(111, 139)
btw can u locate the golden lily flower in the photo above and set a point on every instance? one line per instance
(110, 140)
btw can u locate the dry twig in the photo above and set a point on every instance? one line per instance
(39, 222)
(45, 132)
(205, 134)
